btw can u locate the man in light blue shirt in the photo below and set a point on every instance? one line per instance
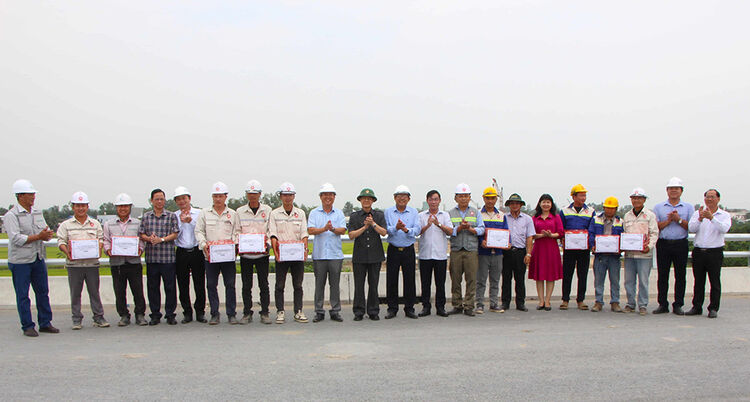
(403, 226)
(327, 224)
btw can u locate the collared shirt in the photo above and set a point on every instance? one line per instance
(520, 229)
(492, 220)
(285, 226)
(673, 231)
(116, 227)
(71, 229)
(254, 222)
(326, 245)
(465, 239)
(162, 226)
(212, 226)
(186, 238)
(575, 220)
(368, 247)
(20, 224)
(709, 233)
(410, 218)
(644, 222)
(433, 243)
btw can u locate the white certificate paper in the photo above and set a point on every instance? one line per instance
(221, 253)
(252, 243)
(84, 249)
(126, 246)
(576, 240)
(607, 244)
(631, 241)
(293, 251)
(497, 238)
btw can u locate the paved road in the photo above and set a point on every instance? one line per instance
(513, 356)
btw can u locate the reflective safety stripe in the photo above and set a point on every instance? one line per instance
(494, 220)
(467, 219)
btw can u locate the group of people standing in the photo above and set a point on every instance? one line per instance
(179, 245)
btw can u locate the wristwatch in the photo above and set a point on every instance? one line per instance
(680, 222)
(162, 240)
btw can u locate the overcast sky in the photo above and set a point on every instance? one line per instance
(125, 96)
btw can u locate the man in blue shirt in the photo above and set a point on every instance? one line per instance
(327, 224)
(402, 224)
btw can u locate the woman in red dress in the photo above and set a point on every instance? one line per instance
(546, 265)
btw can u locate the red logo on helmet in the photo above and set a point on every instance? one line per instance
(464, 189)
(80, 198)
(288, 188)
(217, 189)
(252, 187)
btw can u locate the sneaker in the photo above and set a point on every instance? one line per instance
(101, 323)
(246, 318)
(628, 309)
(124, 321)
(564, 305)
(300, 316)
(615, 307)
(642, 311)
(77, 325)
(479, 310)
(265, 319)
(582, 306)
(233, 320)
(280, 317)
(597, 307)
(214, 320)
(141, 320)
(496, 309)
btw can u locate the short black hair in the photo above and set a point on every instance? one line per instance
(156, 191)
(431, 192)
(712, 189)
(552, 211)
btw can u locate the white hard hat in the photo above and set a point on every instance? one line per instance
(219, 188)
(401, 189)
(181, 191)
(123, 199)
(463, 188)
(287, 188)
(638, 192)
(675, 182)
(79, 197)
(23, 186)
(253, 186)
(327, 188)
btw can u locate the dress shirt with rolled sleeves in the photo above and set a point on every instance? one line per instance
(673, 231)
(520, 228)
(709, 233)
(186, 237)
(433, 243)
(326, 245)
(20, 224)
(410, 218)
(212, 226)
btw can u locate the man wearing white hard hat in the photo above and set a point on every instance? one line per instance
(125, 266)
(219, 225)
(158, 231)
(403, 227)
(80, 238)
(287, 228)
(254, 218)
(673, 216)
(638, 264)
(327, 224)
(189, 258)
(468, 226)
(27, 231)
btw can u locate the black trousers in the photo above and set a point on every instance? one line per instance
(297, 269)
(571, 258)
(191, 260)
(155, 274)
(514, 269)
(670, 252)
(371, 273)
(405, 259)
(228, 271)
(246, 269)
(426, 269)
(121, 275)
(707, 261)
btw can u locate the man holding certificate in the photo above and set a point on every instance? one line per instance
(491, 246)
(254, 218)
(216, 231)
(287, 228)
(468, 226)
(640, 224)
(124, 248)
(604, 240)
(80, 238)
(327, 224)
(576, 219)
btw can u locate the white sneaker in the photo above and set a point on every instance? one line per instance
(300, 317)
(280, 317)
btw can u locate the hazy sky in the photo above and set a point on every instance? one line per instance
(125, 96)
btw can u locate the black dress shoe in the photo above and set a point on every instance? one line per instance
(376, 317)
(678, 310)
(391, 314)
(442, 313)
(336, 317)
(358, 318)
(425, 312)
(456, 310)
(31, 332)
(712, 314)
(319, 317)
(201, 318)
(506, 307)
(693, 311)
(49, 329)
(469, 312)
(540, 307)
(171, 321)
(411, 314)
(154, 321)
(187, 319)
(521, 307)
(662, 310)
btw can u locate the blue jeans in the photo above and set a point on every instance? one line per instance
(34, 274)
(603, 264)
(640, 268)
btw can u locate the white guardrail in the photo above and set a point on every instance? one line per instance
(729, 237)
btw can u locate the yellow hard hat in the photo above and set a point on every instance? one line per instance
(578, 188)
(611, 202)
(489, 192)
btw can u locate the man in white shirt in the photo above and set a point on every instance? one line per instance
(709, 224)
(189, 258)
(433, 253)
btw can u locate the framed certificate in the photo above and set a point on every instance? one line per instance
(221, 251)
(84, 249)
(125, 246)
(632, 241)
(252, 243)
(292, 251)
(607, 244)
(497, 238)
(576, 239)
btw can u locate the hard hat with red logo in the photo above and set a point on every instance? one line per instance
(287, 188)
(463, 188)
(219, 188)
(611, 202)
(123, 199)
(638, 192)
(254, 187)
(79, 197)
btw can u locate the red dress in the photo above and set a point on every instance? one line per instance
(546, 263)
